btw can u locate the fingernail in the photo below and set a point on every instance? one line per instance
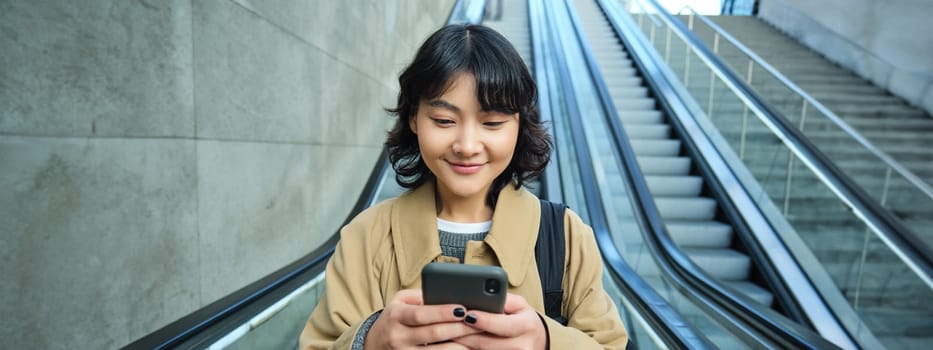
(459, 312)
(470, 319)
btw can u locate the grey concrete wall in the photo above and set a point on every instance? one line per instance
(158, 155)
(885, 41)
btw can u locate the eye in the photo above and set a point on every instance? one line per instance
(442, 121)
(494, 124)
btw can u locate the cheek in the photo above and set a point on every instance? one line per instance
(429, 143)
(505, 146)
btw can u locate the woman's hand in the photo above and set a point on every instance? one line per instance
(407, 323)
(519, 327)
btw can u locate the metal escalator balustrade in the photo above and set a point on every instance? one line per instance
(789, 332)
(689, 214)
(652, 315)
(846, 241)
(652, 323)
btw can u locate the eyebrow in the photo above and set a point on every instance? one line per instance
(445, 105)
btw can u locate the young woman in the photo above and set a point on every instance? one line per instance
(468, 136)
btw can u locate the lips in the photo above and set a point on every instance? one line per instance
(465, 168)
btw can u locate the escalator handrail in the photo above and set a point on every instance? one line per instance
(205, 320)
(673, 329)
(551, 180)
(916, 254)
(743, 314)
(792, 287)
(914, 180)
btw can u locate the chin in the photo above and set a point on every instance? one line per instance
(466, 191)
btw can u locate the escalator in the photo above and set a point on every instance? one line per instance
(596, 171)
(868, 264)
(270, 313)
(690, 213)
(621, 194)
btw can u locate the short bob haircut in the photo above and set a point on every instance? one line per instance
(503, 84)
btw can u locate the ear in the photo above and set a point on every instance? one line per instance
(412, 124)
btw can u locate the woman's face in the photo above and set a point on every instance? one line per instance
(465, 147)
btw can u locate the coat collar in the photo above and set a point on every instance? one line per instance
(512, 236)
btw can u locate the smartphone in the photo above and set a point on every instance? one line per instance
(476, 287)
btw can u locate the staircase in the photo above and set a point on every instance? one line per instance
(886, 295)
(902, 131)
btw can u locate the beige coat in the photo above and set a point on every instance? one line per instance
(384, 248)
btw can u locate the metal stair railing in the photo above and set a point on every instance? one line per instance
(881, 223)
(861, 231)
(750, 223)
(756, 322)
(902, 176)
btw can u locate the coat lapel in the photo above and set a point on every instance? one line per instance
(514, 232)
(512, 236)
(414, 232)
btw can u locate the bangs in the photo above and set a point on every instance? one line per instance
(502, 81)
(502, 90)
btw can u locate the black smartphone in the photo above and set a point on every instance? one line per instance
(476, 287)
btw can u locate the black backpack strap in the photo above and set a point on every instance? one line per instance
(549, 256)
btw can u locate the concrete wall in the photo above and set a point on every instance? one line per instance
(158, 155)
(885, 41)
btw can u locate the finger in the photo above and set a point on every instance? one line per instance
(503, 325)
(408, 296)
(515, 303)
(421, 315)
(447, 346)
(479, 341)
(441, 332)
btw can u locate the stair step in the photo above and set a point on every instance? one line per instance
(700, 234)
(724, 264)
(628, 92)
(679, 186)
(647, 131)
(638, 104)
(656, 147)
(651, 165)
(686, 208)
(640, 117)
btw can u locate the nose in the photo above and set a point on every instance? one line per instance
(467, 143)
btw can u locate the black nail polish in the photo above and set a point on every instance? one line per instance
(459, 312)
(470, 319)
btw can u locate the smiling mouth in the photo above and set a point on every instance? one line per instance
(465, 169)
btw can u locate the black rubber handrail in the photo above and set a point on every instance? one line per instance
(873, 213)
(210, 323)
(551, 188)
(738, 313)
(667, 322)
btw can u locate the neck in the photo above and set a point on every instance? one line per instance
(461, 209)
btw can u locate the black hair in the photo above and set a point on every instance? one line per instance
(503, 84)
